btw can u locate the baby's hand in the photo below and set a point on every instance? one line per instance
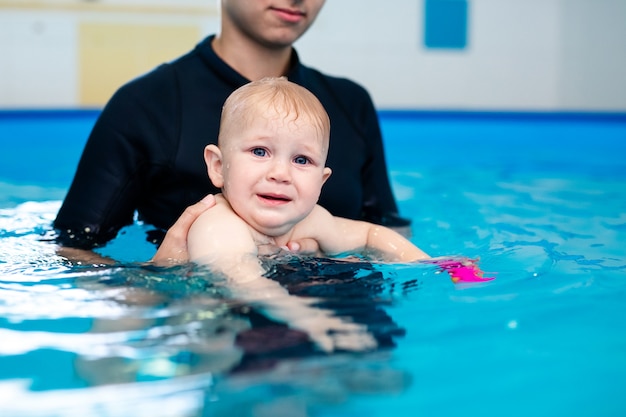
(466, 271)
(331, 333)
(304, 247)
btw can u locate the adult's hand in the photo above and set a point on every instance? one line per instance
(83, 256)
(173, 249)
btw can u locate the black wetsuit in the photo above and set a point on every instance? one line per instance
(145, 152)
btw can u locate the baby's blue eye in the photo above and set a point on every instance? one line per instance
(258, 151)
(301, 160)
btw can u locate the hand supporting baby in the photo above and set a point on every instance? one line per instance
(173, 250)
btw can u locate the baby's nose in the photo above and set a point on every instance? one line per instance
(280, 171)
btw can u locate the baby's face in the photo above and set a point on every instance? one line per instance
(273, 170)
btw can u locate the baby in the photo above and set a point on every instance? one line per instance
(270, 165)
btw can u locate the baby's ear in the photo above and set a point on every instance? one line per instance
(326, 174)
(213, 159)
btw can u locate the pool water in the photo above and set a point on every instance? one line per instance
(538, 198)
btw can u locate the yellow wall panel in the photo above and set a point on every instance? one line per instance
(110, 54)
(180, 7)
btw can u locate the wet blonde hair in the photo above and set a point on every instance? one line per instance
(278, 94)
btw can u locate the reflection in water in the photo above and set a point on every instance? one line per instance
(184, 322)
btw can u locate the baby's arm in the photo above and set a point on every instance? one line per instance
(220, 239)
(337, 235)
(390, 245)
(173, 249)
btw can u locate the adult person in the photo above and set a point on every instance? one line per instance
(144, 153)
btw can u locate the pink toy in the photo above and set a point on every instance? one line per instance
(466, 271)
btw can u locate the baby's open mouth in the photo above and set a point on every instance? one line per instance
(274, 197)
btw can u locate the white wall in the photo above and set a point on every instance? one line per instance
(521, 54)
(37, 59)
(39, 42)
(592, 55)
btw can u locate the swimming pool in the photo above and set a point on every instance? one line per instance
(539, 198)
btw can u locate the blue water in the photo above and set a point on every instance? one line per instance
(538, 199)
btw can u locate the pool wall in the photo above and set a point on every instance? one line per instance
(42, 147)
